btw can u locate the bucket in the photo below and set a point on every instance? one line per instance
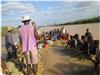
(46, 46)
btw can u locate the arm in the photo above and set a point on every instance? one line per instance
(19, 33)
(35, 33)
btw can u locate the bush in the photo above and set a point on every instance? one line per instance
(4, 30)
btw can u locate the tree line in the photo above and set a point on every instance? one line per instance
(83, 21)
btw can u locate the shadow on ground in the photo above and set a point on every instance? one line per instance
(72, 52)
(73, 69)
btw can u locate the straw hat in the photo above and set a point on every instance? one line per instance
(25, 18)
(9, 29)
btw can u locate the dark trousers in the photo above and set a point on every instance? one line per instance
(11, 51)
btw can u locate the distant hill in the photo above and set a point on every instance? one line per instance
(82, 21)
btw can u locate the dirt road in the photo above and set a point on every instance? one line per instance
(60, 61)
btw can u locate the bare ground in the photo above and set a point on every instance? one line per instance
(61, 61)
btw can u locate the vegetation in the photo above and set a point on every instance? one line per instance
(83, 21)
(4, 30)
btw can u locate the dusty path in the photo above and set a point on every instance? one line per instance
(59, 62)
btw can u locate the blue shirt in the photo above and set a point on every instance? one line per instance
(55, 37)
(9, 38)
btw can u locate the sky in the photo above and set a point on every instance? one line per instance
(47, 12)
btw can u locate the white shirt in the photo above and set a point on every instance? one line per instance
(64, 31)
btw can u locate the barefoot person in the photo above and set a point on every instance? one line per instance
(28, 42)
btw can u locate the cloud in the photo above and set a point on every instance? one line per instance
(47, 13)
(12, 7)
(80, 6)
(83, 3)
(49, 8)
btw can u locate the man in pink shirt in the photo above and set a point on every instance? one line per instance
(28, 42)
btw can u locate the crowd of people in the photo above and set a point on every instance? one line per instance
(29, 40)
(55, 34)
(85, 43)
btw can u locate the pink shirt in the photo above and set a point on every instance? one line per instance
(27, 37)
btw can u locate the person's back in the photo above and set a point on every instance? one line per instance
(11, 51)
(87, 33)
(55, 37)
(84, 45)
(27, 37)
(9, 38)
(71, 42)
(94, 46)
(77, 39)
